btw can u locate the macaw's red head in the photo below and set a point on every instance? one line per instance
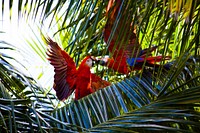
(87, 61)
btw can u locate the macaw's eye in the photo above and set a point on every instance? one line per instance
(88, 60)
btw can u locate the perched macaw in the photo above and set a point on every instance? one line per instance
(67, 78)
(120, 37)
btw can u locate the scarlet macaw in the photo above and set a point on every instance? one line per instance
(127, 54)
(67, 78)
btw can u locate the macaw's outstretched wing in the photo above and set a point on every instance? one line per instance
(120, 36)
(64, 68)
(98, 83)
(119, 32)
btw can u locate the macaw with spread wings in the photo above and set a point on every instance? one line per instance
(119, 35)
(67, 78)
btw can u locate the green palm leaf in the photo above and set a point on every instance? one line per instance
(135, 105)
(150, 100)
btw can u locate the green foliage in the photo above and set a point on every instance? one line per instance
(150, 100)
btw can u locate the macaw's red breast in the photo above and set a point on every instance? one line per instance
(83, 81)
(83, 86)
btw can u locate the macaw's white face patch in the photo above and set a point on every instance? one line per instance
(89, 62)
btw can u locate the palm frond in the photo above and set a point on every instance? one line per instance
(149, 100)
(135, 105)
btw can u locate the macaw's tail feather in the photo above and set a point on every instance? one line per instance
(192, 60)
(149, 60)
(147, 51)
(155, 59)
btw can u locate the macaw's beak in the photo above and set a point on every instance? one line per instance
(98, 61)
(93, 61)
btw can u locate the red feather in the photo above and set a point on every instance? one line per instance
(83, 81)
(98, 83)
